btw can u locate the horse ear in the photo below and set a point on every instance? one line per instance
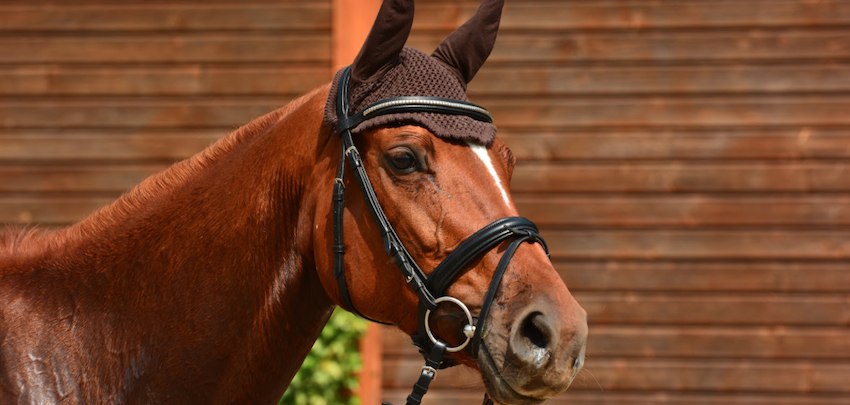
(385, 41)
(468, 47)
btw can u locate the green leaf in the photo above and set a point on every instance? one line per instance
(329, 373)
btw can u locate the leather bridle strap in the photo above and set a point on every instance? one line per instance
(477, 244)
(339, 241)
(517, 229)
(392, 243)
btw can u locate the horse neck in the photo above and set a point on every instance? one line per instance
(222, 242)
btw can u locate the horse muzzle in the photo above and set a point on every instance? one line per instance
(537, 356)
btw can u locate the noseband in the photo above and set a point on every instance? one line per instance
(515, 229)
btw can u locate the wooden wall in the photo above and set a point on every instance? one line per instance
(96, 95)
(689, 164)
(688, 161)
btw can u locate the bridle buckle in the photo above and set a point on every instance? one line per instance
(431, 372)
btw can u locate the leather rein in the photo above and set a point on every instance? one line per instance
(429, 289)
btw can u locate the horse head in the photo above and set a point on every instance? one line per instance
(434, 186)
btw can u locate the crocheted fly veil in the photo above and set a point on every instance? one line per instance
(385, 69)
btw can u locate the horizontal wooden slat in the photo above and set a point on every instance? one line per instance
(715, 309)
(686, 342)
(790, 377)
(714, 314)
(136, 113)
(682, 376)
(699, 245)
(608, 80)
(180, 80)
(87, 146)
(627, 144)
(536, 15)
(315, 15)
(636, 112)
(653, 46)
(772, 276)
(578, 397)
(74, 178)
(580, 15)
(750, 177)
(743, 177)
(685, 211)
(182, 48)
(682, 112)
(691, 342)
(48, 211)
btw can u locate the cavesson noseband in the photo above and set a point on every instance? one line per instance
(430, 289)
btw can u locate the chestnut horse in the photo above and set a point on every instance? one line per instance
(209, 282)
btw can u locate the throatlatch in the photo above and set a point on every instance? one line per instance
(514, 229)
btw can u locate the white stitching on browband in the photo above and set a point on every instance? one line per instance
(441, 103)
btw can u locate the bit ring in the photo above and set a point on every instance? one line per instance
(466, 328)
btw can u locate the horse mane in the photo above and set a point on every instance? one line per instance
(23, 239)
(17, 236)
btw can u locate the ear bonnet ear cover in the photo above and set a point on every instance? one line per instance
(415, 74)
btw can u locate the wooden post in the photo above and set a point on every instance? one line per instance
(352, 20)
(371, 378)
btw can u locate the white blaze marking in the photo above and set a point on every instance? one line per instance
(481, 152)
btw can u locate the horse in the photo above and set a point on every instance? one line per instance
(209, 282)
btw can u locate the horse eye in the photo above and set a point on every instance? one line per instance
(403, 161)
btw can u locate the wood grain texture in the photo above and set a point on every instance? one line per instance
(636, 178)
(612, 397)
(167, 48)
(166, 80)
(792, 377)
(74, 178)
(48, 211)
(649, 244)
(437, 15)
(675, 177)
(640, 15)
(136, 112)
(140, 17)
(716, 276)
(715, 309)
(86, 146)
(688, 211)
(734, 79)
(681, 112)
(605, 146)
(652, 47)
(672, 143)
(629, 112)
(694, 342)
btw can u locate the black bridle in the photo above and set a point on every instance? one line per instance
(430, 289)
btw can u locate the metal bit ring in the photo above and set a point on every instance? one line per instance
(466, 328)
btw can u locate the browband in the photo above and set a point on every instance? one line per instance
(400, 105)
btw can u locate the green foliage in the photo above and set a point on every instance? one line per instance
(329, 373)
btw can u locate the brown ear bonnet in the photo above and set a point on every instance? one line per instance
(389, 69)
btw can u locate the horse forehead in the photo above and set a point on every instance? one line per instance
(482, 156)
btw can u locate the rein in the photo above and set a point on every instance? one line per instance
(515, 229)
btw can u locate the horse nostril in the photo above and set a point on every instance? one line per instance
(534, 330)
